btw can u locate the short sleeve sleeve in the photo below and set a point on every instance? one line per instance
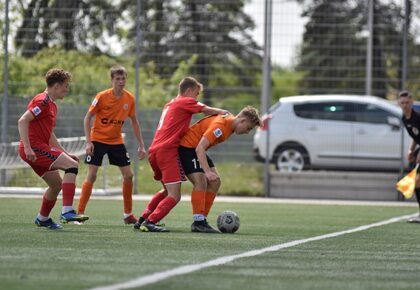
(37, 109)
(95, 104)
(192, 106)
(214, 133)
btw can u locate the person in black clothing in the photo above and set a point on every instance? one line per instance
(411, 120)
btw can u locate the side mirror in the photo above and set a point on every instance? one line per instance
(394, 122)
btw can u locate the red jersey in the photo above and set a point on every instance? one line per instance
(174, 122)
(44, 111)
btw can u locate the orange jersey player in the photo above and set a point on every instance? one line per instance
(111, 108)
(163, 153)
(199, 167)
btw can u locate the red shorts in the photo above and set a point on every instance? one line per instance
(45, 157)
(167, 166)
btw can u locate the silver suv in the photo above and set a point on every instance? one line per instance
(333, 131)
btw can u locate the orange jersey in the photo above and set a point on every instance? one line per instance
(111, 113)
(216, 129)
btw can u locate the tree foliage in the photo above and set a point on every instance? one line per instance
(75, 24)
(333, 53)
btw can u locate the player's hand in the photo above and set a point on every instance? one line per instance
(410, 156)
(141, 153)
(211, 176)
(74, 157)
(30, 154)
(89, 148)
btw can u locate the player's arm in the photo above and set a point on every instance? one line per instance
(86, 125)
(411, 149)
(23, 127)
(201, 155)
(55, 143)
(213, 111)
(141, 151)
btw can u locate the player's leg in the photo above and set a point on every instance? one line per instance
(68, 187)
(151, 206)
(163, 208)
(198, 195)
(94, 162)
(87, 188)
(200, 183)
(127, 191)
(167, 168)
(212, 190)
(417, 192)
(53, 179)
(118, 156)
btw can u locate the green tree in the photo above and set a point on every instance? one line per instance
(333, 53)
(217, 32)
(76, 24)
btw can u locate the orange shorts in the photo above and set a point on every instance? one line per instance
(167, 166)
(45, 157)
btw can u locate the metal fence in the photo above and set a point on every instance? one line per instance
(316, 47)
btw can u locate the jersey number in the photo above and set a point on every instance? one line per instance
(162, 118)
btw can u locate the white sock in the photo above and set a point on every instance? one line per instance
(198, 217)
(42, 218)
(126, 215)
(66, 209)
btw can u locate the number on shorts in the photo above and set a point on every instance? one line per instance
(196, 163)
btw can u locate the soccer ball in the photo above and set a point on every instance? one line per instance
(228, 222)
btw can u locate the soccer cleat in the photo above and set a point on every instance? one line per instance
(131, 219)
(414, 220)
(148, 226)
(202, 227)
(72, 216)
(49, 224)
(142, 219)
(138, 223)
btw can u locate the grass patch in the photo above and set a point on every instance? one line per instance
(104, 251)
(237, 178)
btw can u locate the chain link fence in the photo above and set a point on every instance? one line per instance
(317, 47)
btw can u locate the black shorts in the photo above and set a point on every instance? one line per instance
(117, 154)
(190, 161)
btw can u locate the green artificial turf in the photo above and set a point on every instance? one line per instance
(104, 251)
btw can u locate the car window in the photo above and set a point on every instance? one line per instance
(336, 111)
(370, 113)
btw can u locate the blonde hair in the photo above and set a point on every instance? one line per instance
(117, 70)
(251, 114)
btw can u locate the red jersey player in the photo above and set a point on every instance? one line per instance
(163, 153)
(40, 148)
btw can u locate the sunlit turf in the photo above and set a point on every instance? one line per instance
(237, 178)
(105, 251)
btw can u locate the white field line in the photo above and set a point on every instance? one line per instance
(237, 199)
(160, 276)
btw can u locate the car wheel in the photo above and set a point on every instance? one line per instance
(291, 159)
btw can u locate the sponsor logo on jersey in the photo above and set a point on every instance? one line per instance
(125, 107)
(36, 110)
(107, 121)
(218, 133)
(415, 131)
